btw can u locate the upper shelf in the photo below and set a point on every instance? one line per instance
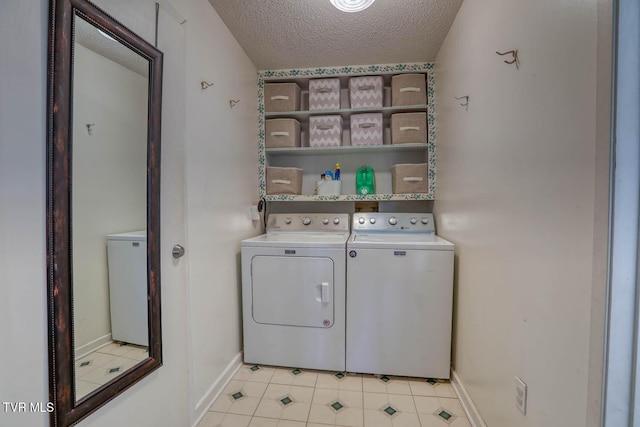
(346, 112)
(303, 151)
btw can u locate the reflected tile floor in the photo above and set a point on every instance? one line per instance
(267, 396)
(104, 364)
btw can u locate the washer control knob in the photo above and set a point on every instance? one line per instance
(425, 220)
(393, 220)
(372, 220)
(306, 220)
(287, 220)
(413, 220)
(361, 220)
(325, 221)
(336, 221)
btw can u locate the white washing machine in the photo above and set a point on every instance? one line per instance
(399, 296)
(293, 292)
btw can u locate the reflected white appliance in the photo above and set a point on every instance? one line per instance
(399, 296)
(127, 260)
(293, 292)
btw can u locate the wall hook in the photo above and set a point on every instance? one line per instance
(90, 128)
(233, 102)
(465, 104)
(515, 59)
(205, 85)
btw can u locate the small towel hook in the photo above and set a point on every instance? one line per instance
(233, 102)
(205, 85)
(466, 103)
(90, 128)
(515, 59)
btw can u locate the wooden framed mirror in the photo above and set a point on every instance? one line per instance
(103, 209)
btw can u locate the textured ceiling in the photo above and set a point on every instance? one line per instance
(88, 36)
(309, 33)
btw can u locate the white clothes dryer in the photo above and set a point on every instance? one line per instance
(399, 296)
(128, 305)
(293, 292)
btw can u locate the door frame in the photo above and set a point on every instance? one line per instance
(621, 388)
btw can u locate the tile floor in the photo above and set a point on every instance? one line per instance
(265, 396)
(106, 363)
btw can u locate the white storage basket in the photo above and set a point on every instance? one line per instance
(325, 131)
(324, 94)
(366, 129)
(365, 92)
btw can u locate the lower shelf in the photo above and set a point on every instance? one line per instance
(347, 197)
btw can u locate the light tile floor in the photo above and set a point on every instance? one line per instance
(266, 396)
(101, 366)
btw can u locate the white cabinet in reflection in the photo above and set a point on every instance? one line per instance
(127, 259)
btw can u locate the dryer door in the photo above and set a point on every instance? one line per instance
(294, 291)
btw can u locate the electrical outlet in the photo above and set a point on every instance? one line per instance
(255, 216)
(521, 395)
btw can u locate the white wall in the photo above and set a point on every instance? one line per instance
(600, 229)
(219, 199)
(516, 194)
(23, 309)
(222, 164)
(109, 181)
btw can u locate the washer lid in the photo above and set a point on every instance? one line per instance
(131, 235)
(400, 241)
(298, 240)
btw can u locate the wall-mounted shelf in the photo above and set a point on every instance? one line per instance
(347, 112)
(347, 198)
(304, 151)
(315, 160)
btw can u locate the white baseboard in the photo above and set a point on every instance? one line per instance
(465, 400)
(92, 346)
(216, 388)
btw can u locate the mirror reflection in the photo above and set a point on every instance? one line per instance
(109, 200)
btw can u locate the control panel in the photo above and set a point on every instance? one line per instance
(397, 222)
(308, 222)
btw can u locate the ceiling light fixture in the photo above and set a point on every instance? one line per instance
(352, 5)
(106, 35)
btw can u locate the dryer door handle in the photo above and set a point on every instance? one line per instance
(324, 292)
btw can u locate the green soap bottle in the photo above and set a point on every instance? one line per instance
(365, 181)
